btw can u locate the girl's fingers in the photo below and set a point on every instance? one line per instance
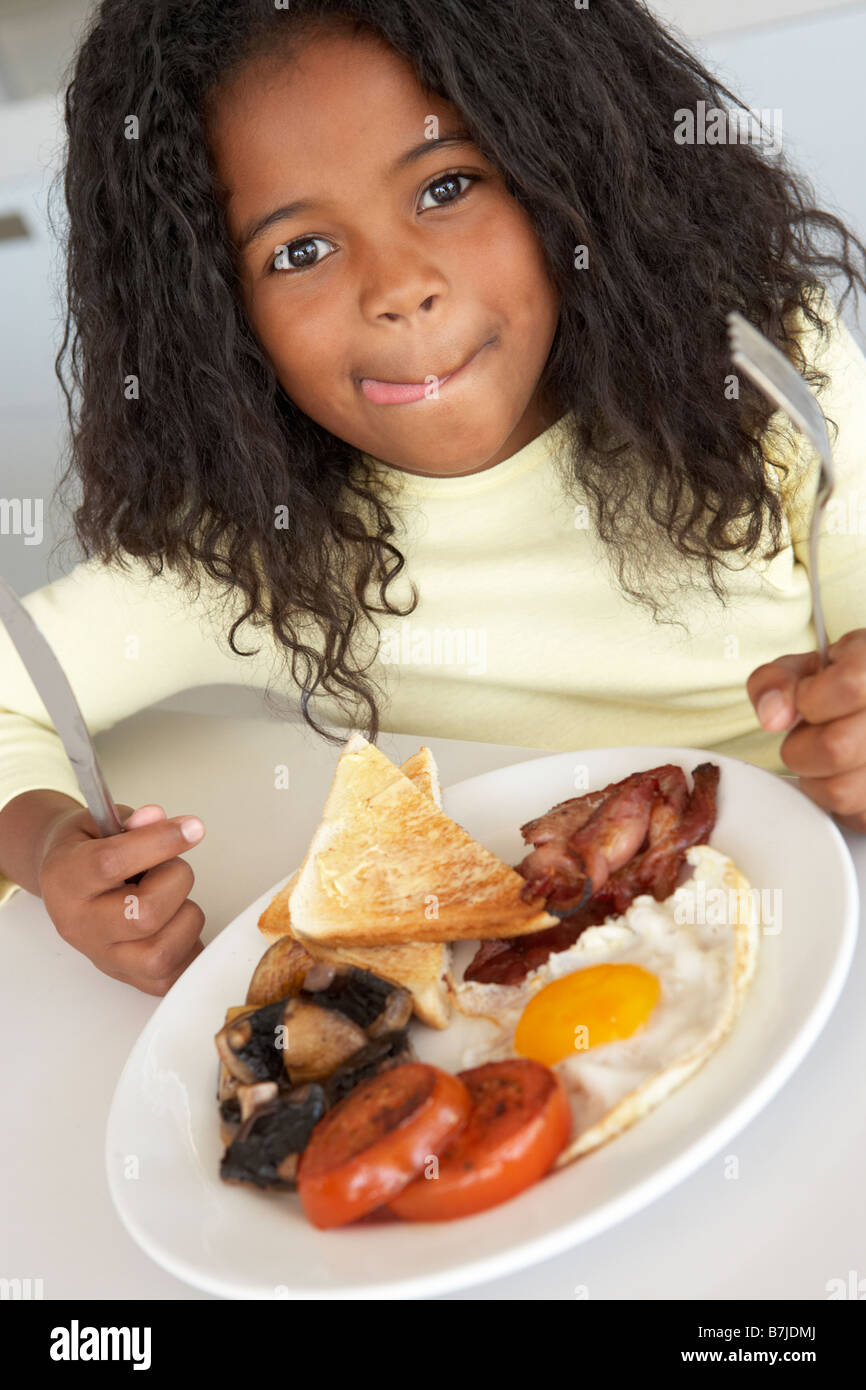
(772, 688)
(158, 987)
(139, 910)
(163, 986)
(843, 795)
(154, 963)
(840, 688)
(144, 815)
(108, 862)
(827, 750)
(796, 688)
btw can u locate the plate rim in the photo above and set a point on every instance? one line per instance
(587, 1226)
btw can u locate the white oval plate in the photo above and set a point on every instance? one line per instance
(245, 1243)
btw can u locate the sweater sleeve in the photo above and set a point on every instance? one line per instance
(842, 541)
(125, 640)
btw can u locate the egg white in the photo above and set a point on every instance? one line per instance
(703, 968)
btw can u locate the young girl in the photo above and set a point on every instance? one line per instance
(400, 335)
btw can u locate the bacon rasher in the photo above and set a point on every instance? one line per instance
(600, 851)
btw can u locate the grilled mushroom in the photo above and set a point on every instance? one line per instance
(248, 1044)
(227, 1085)
(280, 972)
(389, 1050)
(332, 1023)
(238, 1100)
(314, 1040)
(269, 1143)
(320, 975)
(376, 1005)
(256, 1097)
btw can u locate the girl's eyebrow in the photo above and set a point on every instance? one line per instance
(260, 225)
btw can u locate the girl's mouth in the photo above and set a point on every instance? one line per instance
(403, 392)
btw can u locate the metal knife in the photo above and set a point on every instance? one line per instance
(57, 695)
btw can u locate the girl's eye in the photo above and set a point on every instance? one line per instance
(451, 181)
(301, 255)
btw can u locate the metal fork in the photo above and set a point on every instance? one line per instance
(773, 374)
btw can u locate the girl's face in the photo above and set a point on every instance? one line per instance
(368, 252)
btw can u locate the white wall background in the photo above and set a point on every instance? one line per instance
(801, 57)
(710, 17)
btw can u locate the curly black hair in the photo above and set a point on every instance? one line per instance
(576, 109)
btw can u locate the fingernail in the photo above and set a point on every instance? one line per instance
(772, 709)
(192, 829)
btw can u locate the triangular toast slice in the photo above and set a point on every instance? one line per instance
(424, 968)
(388, 866)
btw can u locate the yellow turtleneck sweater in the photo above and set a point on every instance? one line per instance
(521, 635)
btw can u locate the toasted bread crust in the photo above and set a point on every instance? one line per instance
(386, 866)
(421, 769)
(424, 968)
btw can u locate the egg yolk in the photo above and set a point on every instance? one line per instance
(600, 1004)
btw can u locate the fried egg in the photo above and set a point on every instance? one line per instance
(635, 1006)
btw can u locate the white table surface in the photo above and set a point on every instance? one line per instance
(793, 1219)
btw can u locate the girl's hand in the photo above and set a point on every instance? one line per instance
(826, 713)
(145, 933)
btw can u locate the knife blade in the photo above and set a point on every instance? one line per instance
(58, 697)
